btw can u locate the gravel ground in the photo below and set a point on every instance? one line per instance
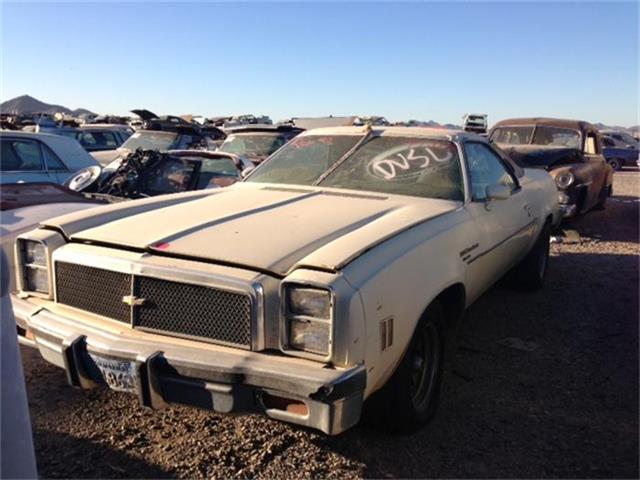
(537, 385)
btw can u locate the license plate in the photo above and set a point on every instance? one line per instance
(119, 375)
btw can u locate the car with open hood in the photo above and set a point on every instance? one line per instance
(570, 150)
(328, 277)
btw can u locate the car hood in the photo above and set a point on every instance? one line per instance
(144, 114)
(539, 156)
(105, 157)
(270, 228)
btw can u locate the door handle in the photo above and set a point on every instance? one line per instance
(527, 208)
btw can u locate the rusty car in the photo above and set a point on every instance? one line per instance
(570, 150)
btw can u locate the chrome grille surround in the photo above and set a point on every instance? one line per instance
(245, 298)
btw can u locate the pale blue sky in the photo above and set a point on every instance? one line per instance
(402, 60)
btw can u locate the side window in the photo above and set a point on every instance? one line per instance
(9, 161)
(53, 162)
(87, 139)
(106, 139)
(590, 144)
(485, 169)
(607, 142)
(21, 155)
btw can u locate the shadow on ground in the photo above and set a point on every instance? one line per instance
(57, 457)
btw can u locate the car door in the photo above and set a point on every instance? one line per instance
(21, 161)
(598, 169)
(505, 227)
(58, 171)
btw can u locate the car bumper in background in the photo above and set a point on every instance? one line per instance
(222, 379)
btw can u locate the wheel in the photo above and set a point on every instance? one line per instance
(615, 164)
(530, 273)
(410, 397)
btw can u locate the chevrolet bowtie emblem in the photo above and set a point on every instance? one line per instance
(133, 301)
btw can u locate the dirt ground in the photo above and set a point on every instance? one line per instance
(540, 385)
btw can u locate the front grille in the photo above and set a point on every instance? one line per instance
(193, 310)
(94, 290)
(169, 307)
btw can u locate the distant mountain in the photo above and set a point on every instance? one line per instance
(28, 104)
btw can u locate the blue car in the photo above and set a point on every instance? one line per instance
(40, 157)
(617, 156)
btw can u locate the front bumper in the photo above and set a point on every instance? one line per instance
(222, 379)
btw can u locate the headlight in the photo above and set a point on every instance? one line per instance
(564, 179)
(310, 302)
(308, 318)
(309, 336)
(34, 265)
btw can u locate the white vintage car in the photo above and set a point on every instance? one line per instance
(328, 277)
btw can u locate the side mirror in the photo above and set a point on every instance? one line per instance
(498, 192)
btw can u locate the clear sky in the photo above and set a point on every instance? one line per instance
(401, 60)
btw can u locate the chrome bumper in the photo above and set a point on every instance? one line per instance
(218, 378)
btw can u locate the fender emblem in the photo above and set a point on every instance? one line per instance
(133, 301)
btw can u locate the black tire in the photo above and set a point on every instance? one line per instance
(531, 272)
(615, 164)
(410, 397)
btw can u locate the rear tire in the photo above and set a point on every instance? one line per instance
(410, 397)
(531, 272)
(615, 164)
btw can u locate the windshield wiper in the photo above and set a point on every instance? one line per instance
(368, 134)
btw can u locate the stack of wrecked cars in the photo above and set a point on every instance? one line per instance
(226, 299)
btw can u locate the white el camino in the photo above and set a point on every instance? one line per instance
(328, 278)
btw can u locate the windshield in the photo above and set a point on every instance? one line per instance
(386, 164)
(542, 135)
(252, 144)
(150, 140)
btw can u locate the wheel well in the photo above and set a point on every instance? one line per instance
(453, 301)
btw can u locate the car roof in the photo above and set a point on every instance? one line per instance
(34, 135)
(104, 126)
(552, 122)
(439, 133)
(258, 127)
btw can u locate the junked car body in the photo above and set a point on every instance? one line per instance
(146, 173)
(40, 157)
(328, 277)
(570, 150)
(93, 138)
(475, 122)
(178, 139)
